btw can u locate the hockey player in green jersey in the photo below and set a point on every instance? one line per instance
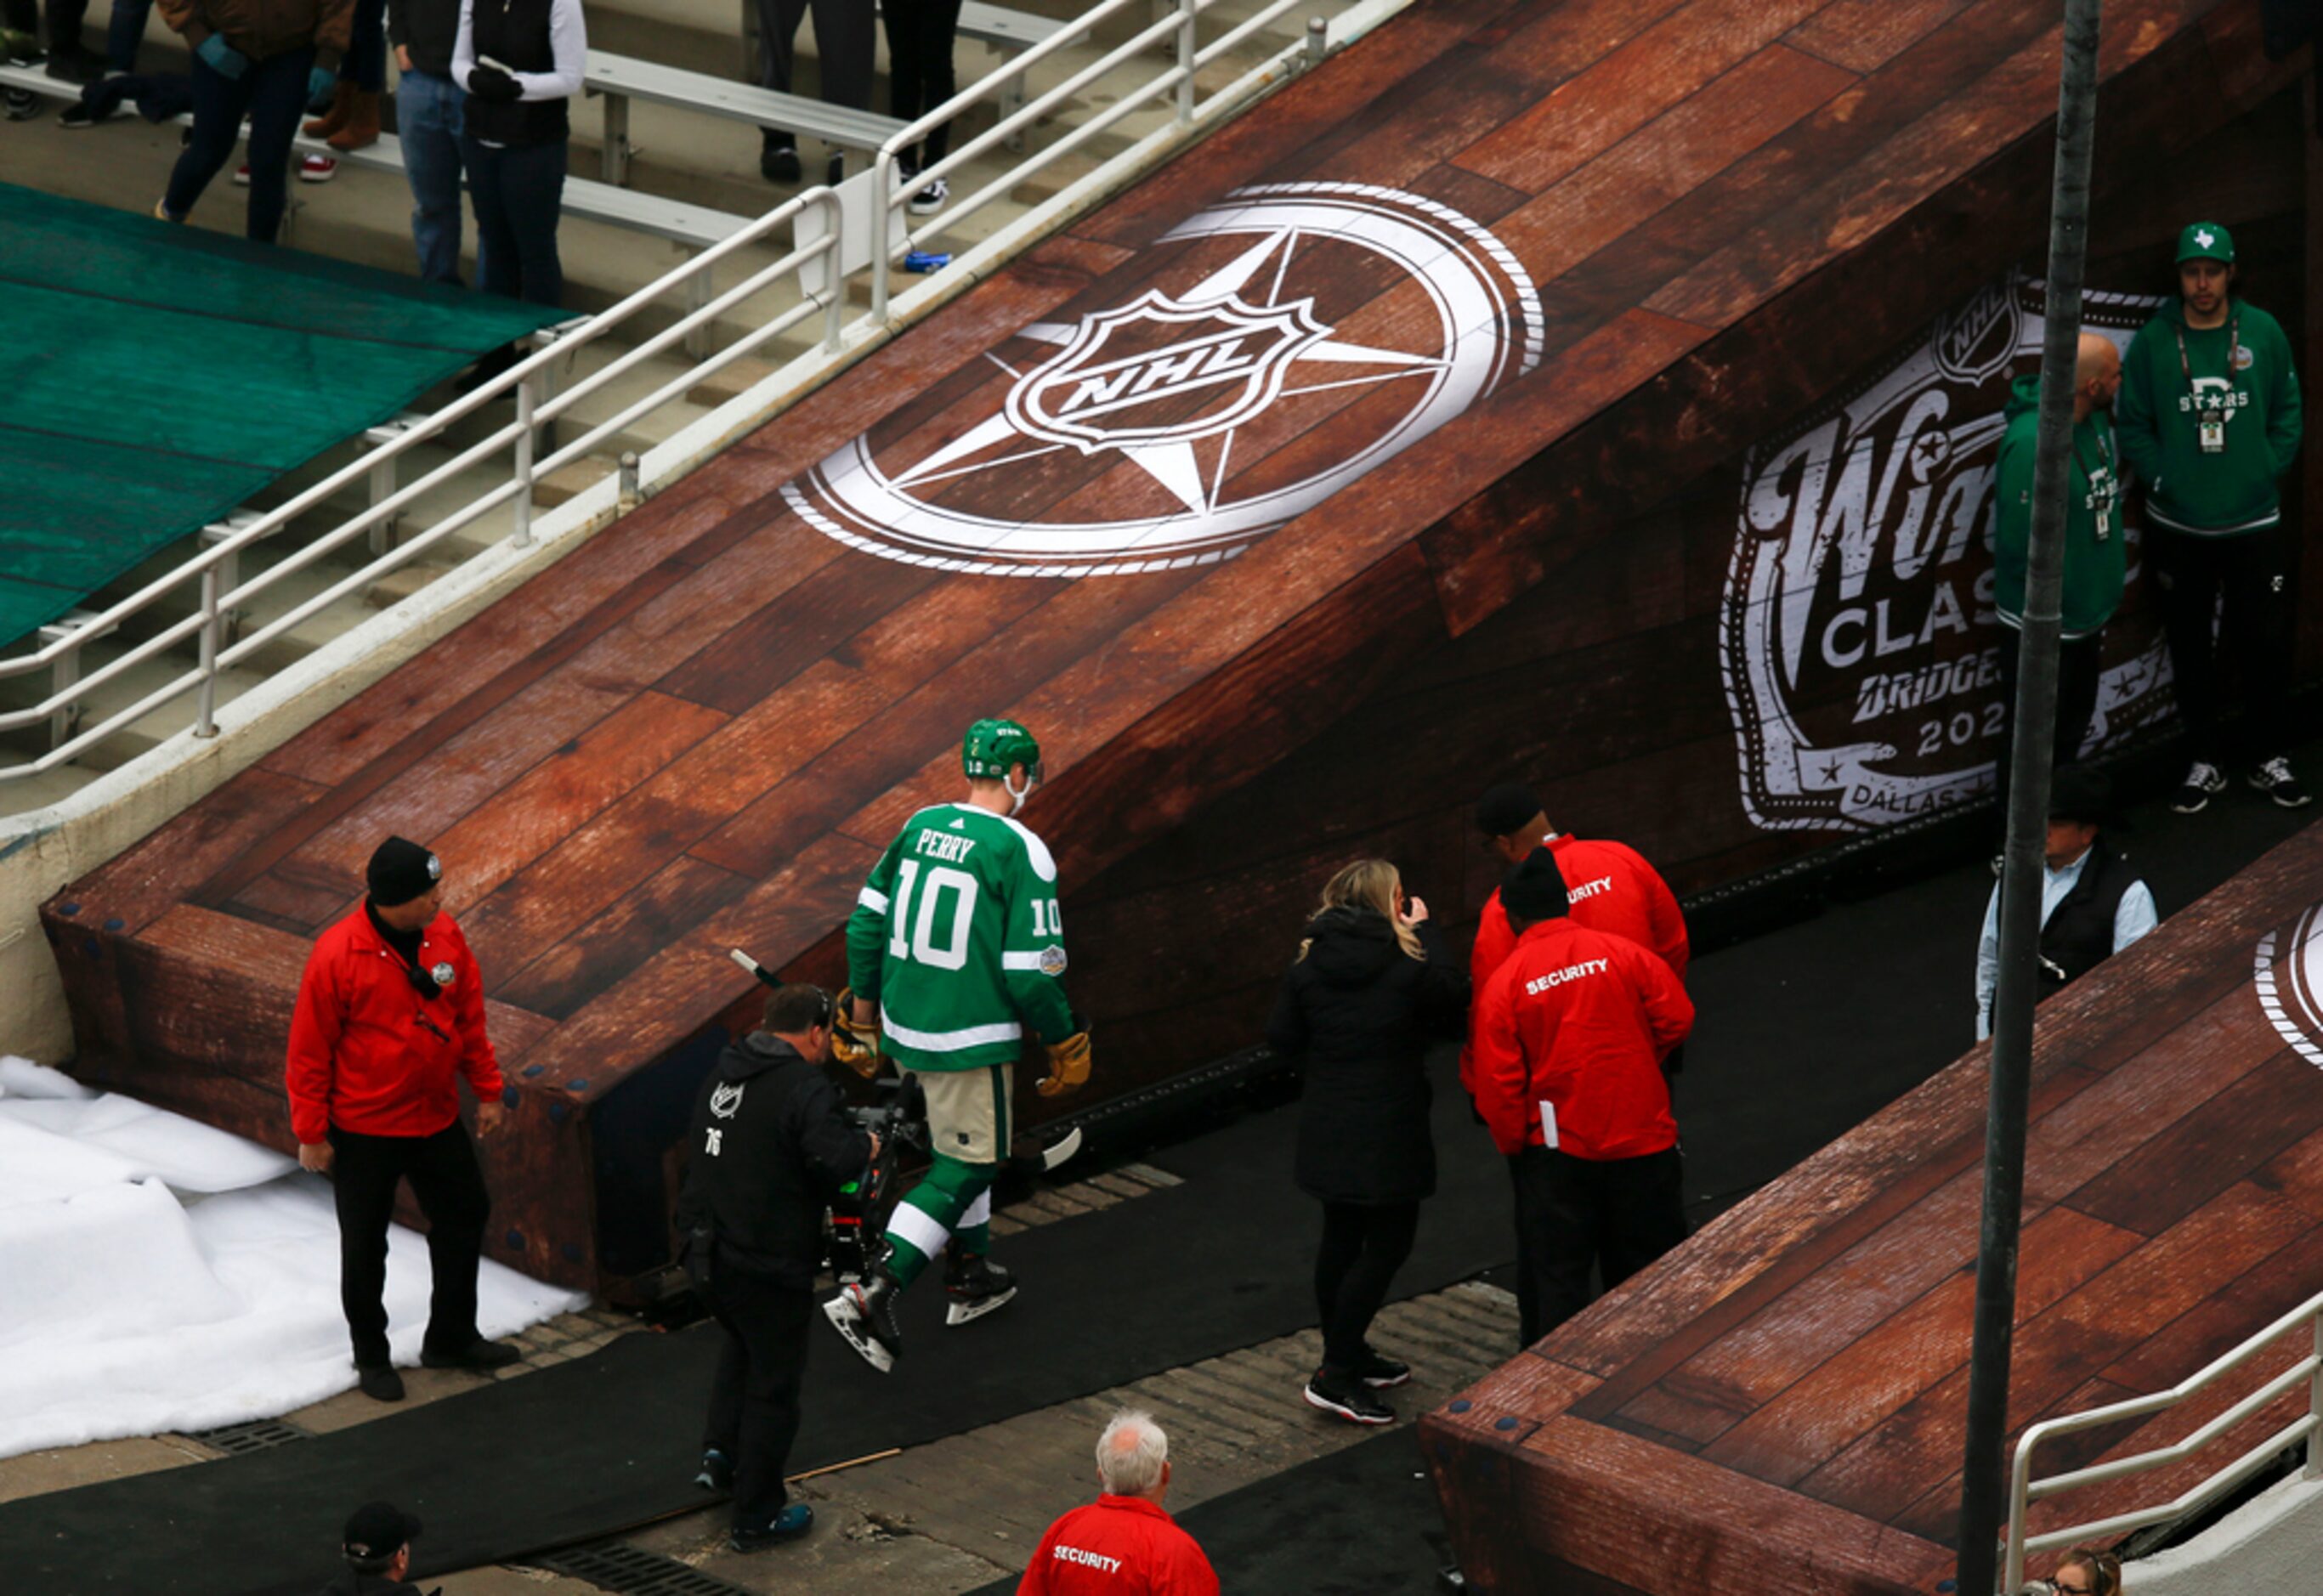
(954, 954)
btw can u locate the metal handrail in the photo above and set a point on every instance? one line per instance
(215, 569)
(2024, 1489)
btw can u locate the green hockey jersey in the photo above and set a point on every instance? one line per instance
(956, 936)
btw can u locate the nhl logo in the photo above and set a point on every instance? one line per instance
(1277, 348)
(2289, 972)
(1159, 370)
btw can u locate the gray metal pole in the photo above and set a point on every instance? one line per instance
(1982, 1472)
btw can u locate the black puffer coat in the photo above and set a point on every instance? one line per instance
(1359, 1013)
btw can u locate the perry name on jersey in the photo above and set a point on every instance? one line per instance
(957, 936)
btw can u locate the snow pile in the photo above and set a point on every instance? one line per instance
(157, 1274)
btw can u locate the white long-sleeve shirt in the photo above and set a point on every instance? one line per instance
(568, 44)
(2133, 917)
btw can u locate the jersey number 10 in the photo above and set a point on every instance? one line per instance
(922, 947)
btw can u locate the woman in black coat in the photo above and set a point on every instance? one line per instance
(1372, 986)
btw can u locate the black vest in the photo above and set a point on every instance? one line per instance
(515, 34)
(2079, 936)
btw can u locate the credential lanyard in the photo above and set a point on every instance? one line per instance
(2234, 341)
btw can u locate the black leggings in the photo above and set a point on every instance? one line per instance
(1363, 1245)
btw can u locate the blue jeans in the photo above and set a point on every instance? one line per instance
(122, 35)
(427, 120)
(519, 193)
(365, 63)
(272, 93)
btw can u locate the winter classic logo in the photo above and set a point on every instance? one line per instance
(2290, 970)
(1283, 343)
(1856, 637)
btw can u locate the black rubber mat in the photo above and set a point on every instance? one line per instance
(587, 1449)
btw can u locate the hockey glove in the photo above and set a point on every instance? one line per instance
(1069, 1065)
(853, 1045)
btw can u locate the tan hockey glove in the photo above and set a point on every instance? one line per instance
(853, 1045)
(1069, 1066)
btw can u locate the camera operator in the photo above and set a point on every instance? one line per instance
(771, 1144)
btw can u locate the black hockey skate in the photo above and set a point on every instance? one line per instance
(974, 1284)
(864, 1312)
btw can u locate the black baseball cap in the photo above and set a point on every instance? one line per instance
(376, 1533)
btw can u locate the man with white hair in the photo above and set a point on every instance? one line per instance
(1123, 1544)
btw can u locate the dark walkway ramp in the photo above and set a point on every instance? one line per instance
(1291, 497)
(155, 377)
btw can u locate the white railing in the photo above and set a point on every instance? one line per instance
(2024, 1490)
(832, 239)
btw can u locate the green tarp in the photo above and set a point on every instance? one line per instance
(153, 378)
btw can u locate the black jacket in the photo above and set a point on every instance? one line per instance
(1360, 1014)
(770, 1143)
(428, 29)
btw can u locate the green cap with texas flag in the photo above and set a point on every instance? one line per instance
(2206, 241)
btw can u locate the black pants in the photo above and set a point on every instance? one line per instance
(519, 193)
(1363, 1245)
(450, 1190)
(844, 42)
(1617, 1214)
(754, 1399)
(272, 93)
(2079, 668)
(920, 42)
(2250, 573)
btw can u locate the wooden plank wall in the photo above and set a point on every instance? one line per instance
(697, 731)
(1796, 1374)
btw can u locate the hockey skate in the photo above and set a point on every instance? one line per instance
(864, 1312)
(974, 1284)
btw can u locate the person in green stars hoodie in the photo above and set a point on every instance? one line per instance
(2208, 421)
(2094, 568)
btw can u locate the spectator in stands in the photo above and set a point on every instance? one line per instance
(2093, 903)
(20, 46)
(921, 35)
(377, 1546)
(1123, 1544)
(71, 61)
(2084, 1571)
(391, 1012)
(1372, 984)
(352, 120)
(1569, 1036)
(427, 120)
(260, 58)
(844, 45)
(2095, 566)
(771, 1147)
(520, 63)
(2210, 420)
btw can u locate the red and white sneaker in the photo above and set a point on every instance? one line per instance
(316, 169)
(242, 176)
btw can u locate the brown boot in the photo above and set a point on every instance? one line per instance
(329, 123)
(361, 124)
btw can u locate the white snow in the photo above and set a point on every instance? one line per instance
(157, 1274)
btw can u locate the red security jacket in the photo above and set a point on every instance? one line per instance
(1118, 1546)
(367, 1053)
(1581, 1019)
(1613, 889)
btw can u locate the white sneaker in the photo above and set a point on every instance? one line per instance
(2203, 783)
(316, 169)
(2274, 779)
(932, 198)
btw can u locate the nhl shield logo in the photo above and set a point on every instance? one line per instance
(1163, 371)
(1275, 348)
(2288, 973)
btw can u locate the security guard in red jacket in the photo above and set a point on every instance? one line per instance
(1570, 1033)
(391, 1012)
(1612, 886)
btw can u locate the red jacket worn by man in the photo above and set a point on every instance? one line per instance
(390, 1014)
(1610, 887)
(1123, 1544)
